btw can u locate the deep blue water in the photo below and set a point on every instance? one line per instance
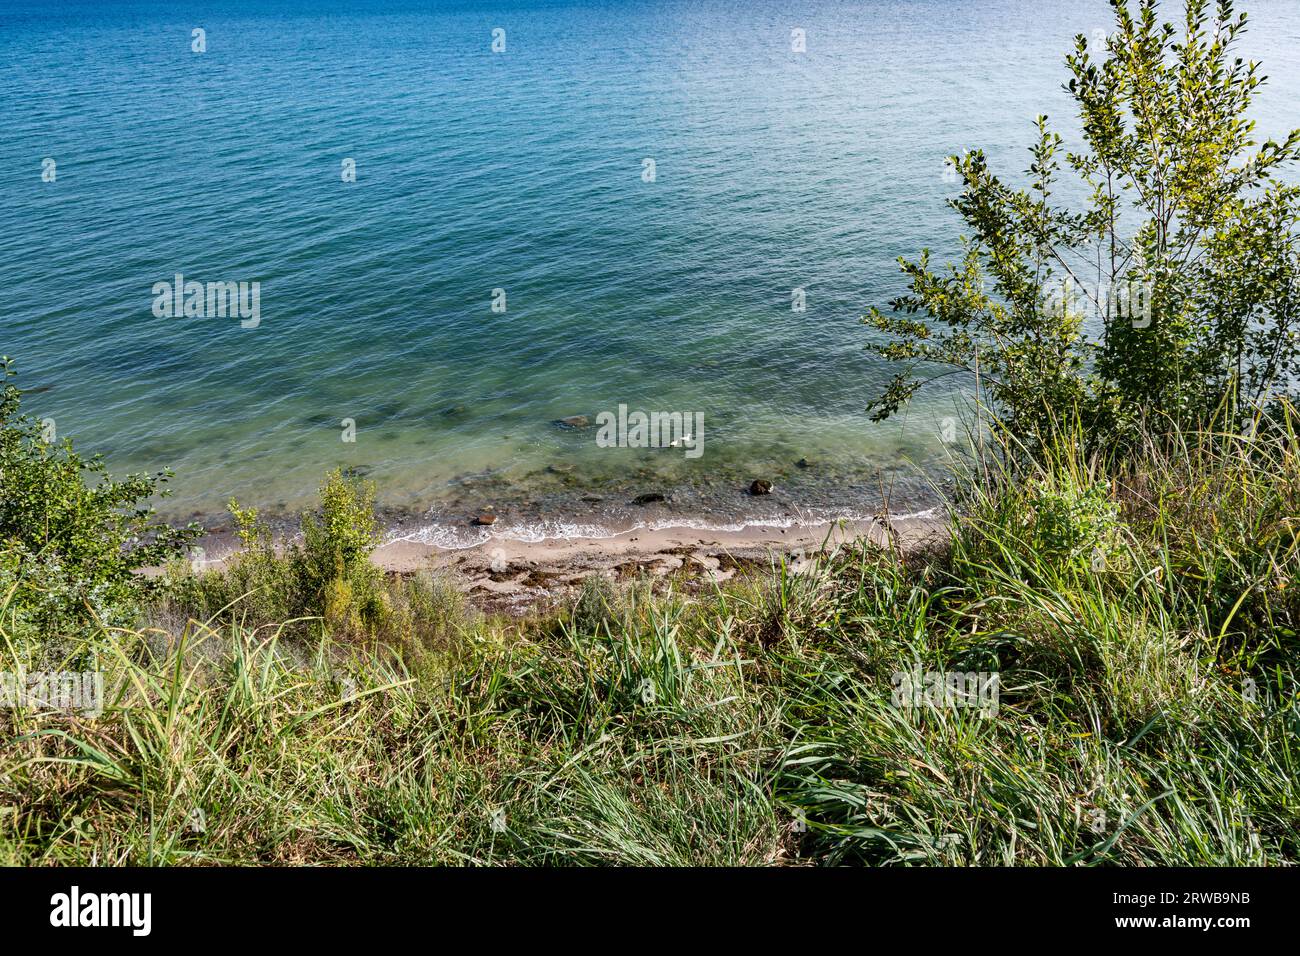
(520, 170)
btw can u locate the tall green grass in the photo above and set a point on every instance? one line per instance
(1141, 620)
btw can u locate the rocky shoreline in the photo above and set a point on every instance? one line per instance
(504, 573)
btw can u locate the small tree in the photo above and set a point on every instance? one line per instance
(1173, 287)
(72, 539)
(337, 544)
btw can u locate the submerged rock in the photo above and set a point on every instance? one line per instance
(760, 486)
(648, 499)
(803, 463)
(574, 421)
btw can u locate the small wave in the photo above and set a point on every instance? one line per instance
(444, 536)
(459, 537)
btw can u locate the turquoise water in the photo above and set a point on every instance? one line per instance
(520, 170)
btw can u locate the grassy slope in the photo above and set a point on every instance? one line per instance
(1127, 618)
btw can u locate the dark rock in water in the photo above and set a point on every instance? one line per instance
(485, 519)
(592, 499)
(760, 486)
(455, 410)
(560, 469)
(648, 499)
(574, 421)
(356, 471)
(803, 463)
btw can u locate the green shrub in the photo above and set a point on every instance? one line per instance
(1047, 523)
(72, 539)
(260, 585)
(328, 576)
(1176, 282)
(1071, 523)
(338, 541)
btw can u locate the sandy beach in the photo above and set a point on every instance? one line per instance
(506, 574)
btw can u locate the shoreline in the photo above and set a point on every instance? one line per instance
(511, 574)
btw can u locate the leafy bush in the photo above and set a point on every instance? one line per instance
(1174, 286)
(1071, 521)
(259, 585)
(337, 571)
(1067, 523)
(72, 539)
(329, 575)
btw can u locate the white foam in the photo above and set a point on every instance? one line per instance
(444, 536)
(451, 537)
(555, 531)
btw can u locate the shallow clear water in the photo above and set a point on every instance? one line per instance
(523, 171)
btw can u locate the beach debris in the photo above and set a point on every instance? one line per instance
(648, 499)
(486, 518)
(760, 486)
(574, 421)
